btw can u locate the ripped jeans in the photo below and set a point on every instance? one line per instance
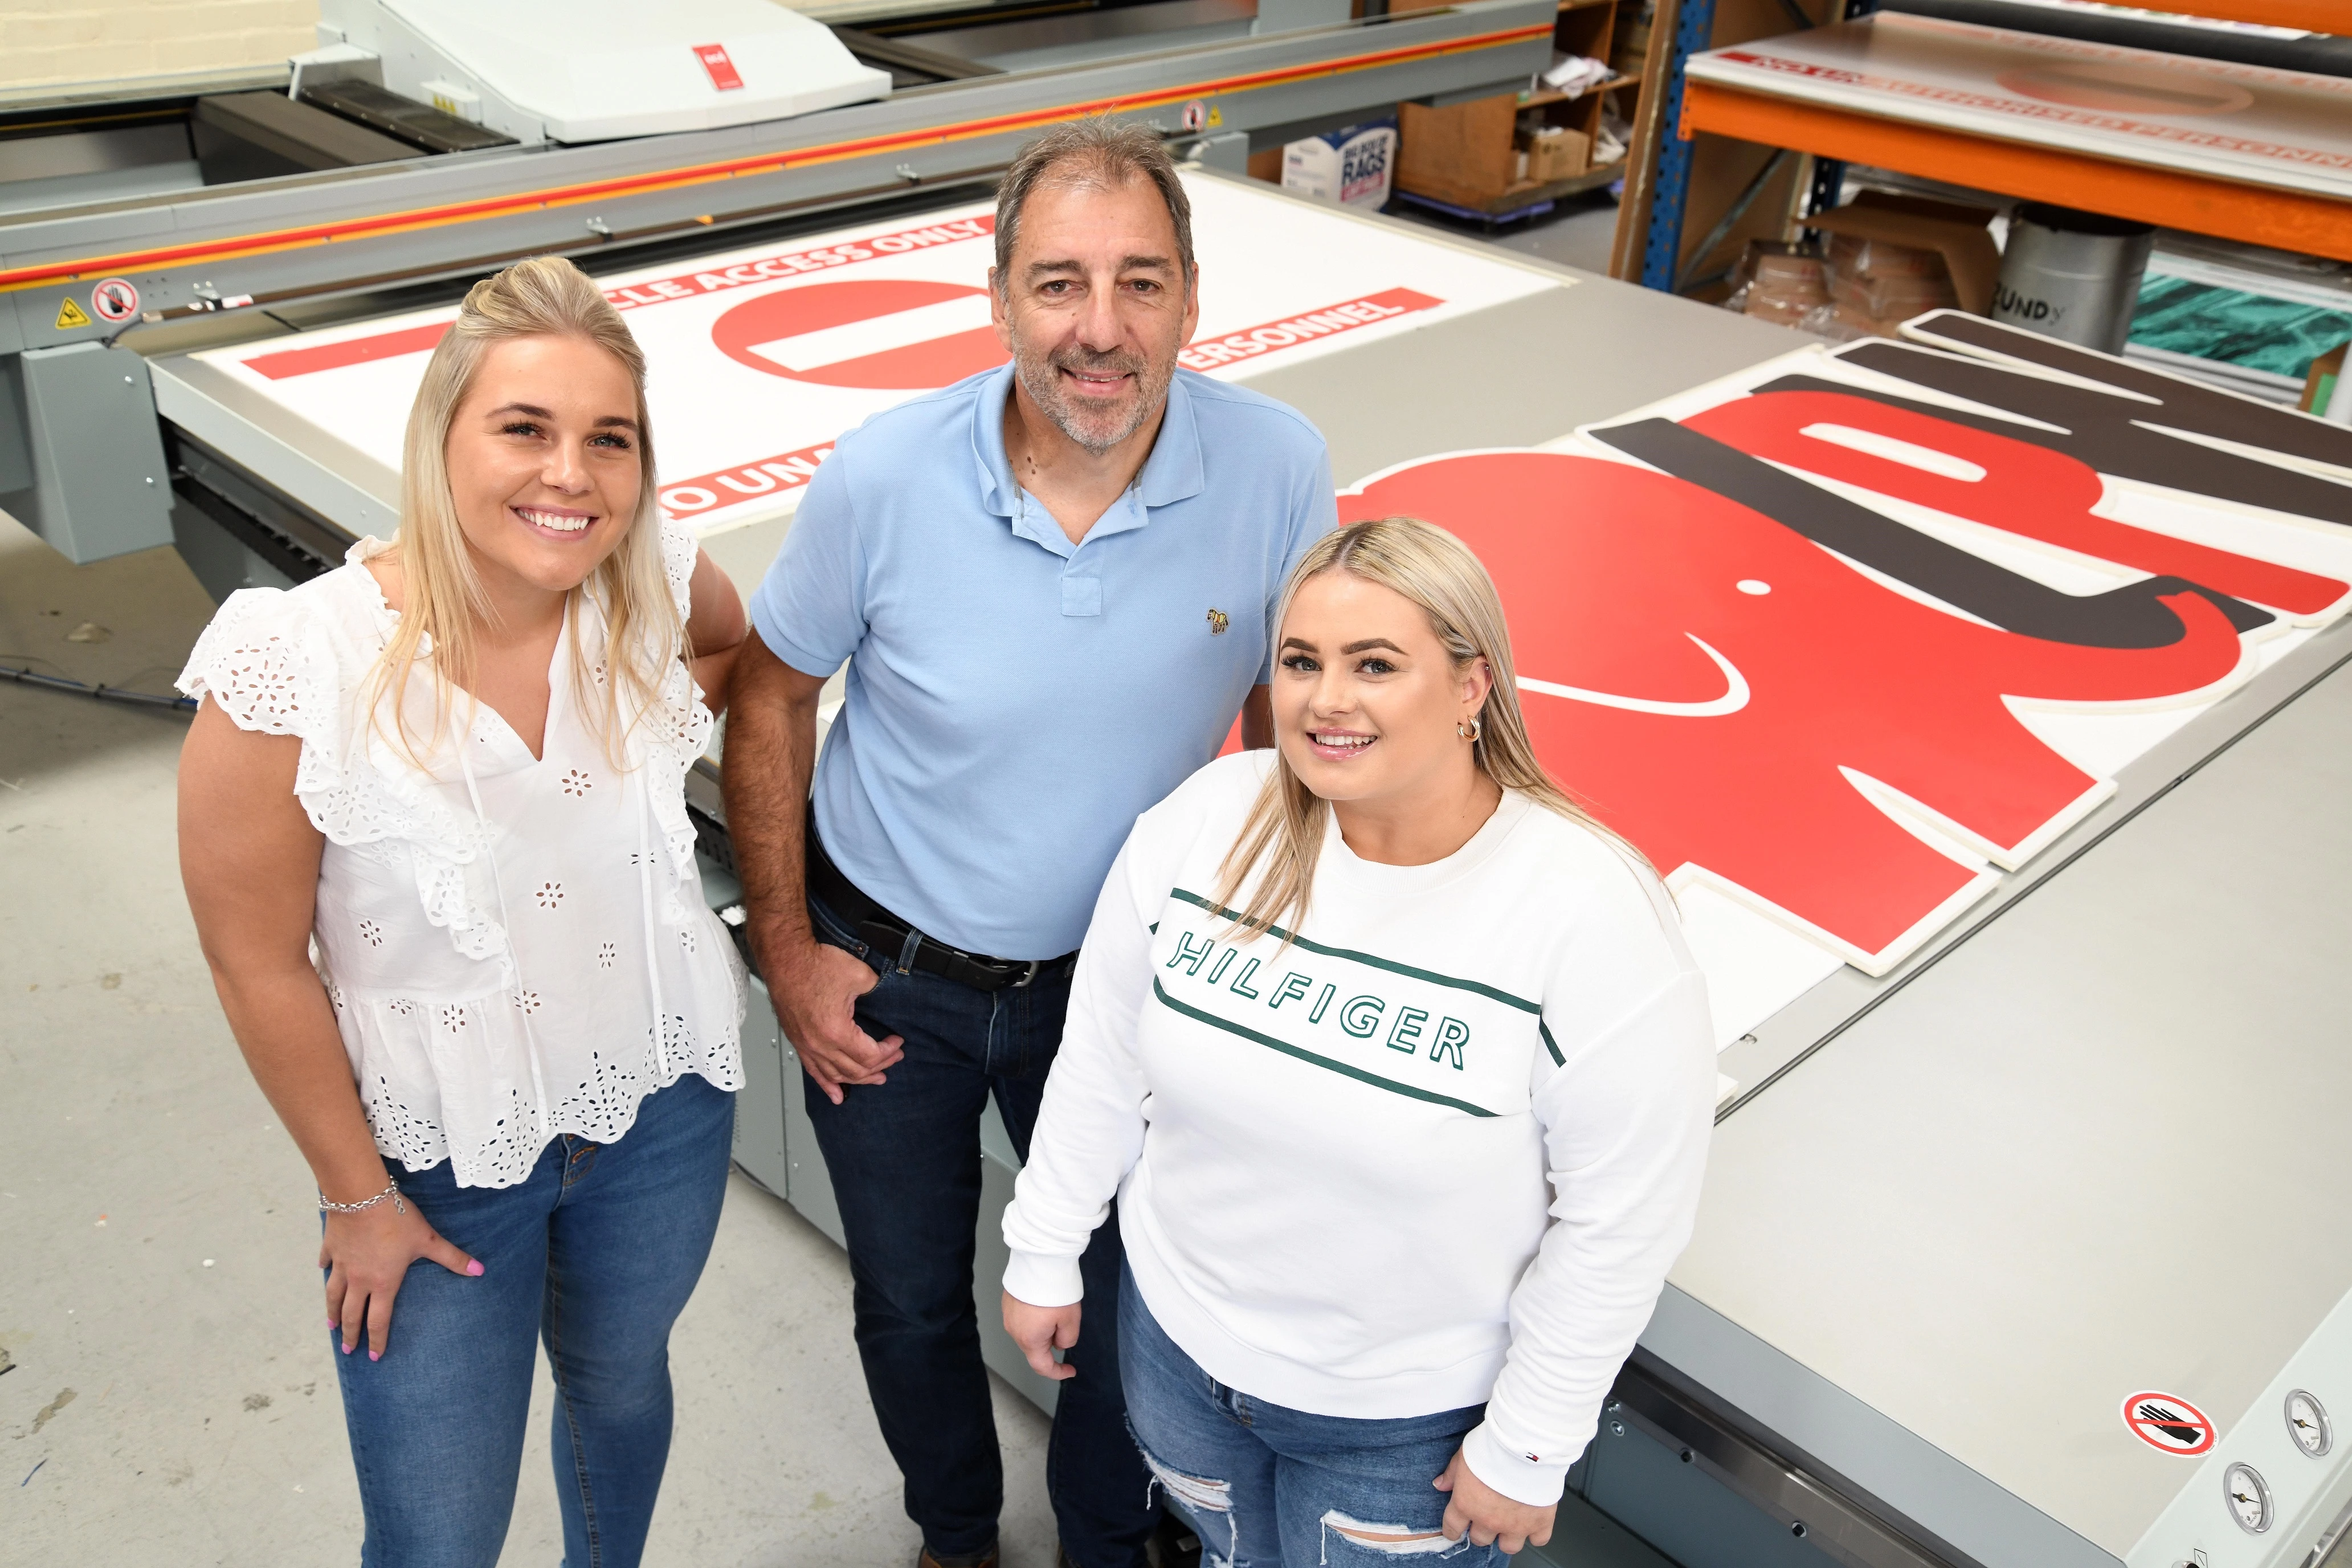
(1264, 1486)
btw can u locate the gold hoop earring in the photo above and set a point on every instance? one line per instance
(1468, 730)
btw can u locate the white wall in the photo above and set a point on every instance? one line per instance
(66, 41)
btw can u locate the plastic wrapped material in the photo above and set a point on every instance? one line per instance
(1614, 136)
(1778, 282)
(1853, 256)
(1875, 285)
(1575, 74)
(1892, 298)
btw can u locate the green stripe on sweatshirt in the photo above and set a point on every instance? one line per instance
(1287, 1048)
(1521, 1002)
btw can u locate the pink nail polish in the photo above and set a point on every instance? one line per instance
(473, 1266)
(332, 1324)
(375, 1355)
(347, 1349)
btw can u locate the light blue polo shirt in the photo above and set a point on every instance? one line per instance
(1013, 700)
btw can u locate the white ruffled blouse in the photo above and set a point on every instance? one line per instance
(516, 947)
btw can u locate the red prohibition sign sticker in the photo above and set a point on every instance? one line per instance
(2167, 1423)
(115, 299)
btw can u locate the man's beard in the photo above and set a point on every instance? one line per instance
(1096, 429)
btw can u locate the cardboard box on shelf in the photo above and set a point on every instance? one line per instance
(1631, 46)
(1556, 152)
(1956, 232)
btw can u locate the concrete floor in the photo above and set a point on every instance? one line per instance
(167, 1394)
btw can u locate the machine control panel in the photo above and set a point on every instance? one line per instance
(2271, 1491)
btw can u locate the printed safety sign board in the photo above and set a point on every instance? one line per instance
(2167, 1423)
(759, 358)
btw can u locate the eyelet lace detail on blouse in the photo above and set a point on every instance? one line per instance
(276, 673)
(503, 978)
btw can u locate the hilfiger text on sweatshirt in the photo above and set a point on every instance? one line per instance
(1443, 1039)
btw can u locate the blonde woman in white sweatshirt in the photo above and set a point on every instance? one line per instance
(1403, 1076)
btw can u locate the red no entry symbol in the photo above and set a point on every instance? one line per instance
(895, 334)
(2169, 1423)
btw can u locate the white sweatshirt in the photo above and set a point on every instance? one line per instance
(1440, 1150)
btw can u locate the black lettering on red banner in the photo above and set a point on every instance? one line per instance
(2136, 615)
(2017, 487)
(2182, 403)
(2107, 430)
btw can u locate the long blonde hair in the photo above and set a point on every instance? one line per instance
(1424, 563)
(545, 296)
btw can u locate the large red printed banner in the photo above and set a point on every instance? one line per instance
(1813, 640)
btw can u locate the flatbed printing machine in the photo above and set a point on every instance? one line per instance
(2021, 1243)
(448, 139)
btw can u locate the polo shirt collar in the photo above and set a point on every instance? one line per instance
(1171, 473)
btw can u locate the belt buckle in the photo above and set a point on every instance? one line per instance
(1030, 974)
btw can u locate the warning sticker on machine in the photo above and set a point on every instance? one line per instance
(2167, 1423)
(115, 299)
(758, 360)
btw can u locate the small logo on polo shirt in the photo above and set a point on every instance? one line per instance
(1218, 621)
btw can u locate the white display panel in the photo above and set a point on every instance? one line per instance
(2207, 117)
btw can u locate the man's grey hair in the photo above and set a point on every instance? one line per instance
(1096, 151)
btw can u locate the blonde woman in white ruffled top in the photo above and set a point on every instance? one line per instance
(433, 833)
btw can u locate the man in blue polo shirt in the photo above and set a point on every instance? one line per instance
(1055, 585)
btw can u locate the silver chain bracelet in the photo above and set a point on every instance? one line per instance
(391, 1192)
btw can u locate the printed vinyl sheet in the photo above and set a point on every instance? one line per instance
(2210, 117)
(1839, 640)
(759, 358)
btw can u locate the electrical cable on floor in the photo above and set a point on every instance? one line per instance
(102, 692)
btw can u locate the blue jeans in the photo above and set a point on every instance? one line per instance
(596, 1250)
(904, 1156)
(1268, 1487)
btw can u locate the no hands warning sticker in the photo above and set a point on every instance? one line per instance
(115, 299)
(2167, 1423)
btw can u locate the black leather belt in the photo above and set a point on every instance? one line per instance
(888, 934)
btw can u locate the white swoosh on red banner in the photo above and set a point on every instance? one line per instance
(1734, 697)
